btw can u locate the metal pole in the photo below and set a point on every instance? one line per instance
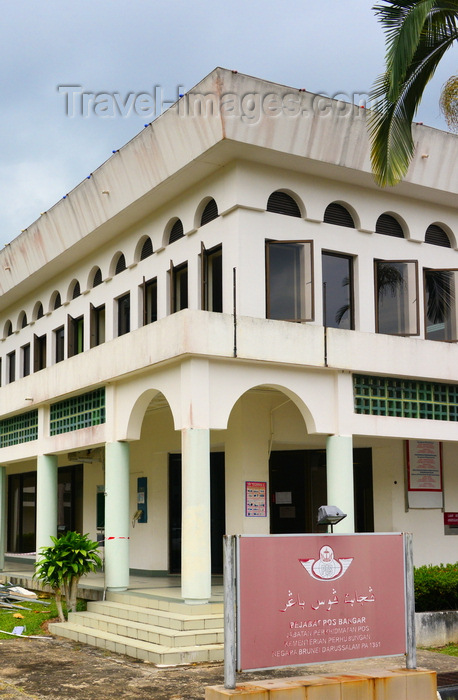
(230, 655)
(234, 302)
(411, 657)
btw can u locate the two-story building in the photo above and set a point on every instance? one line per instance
(226, 326)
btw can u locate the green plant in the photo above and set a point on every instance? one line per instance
(61, 566)
(436, 587)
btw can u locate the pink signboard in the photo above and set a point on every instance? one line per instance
(424, 465)
(313, 598)
(255, 499)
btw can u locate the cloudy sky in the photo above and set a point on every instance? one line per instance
(123, 47)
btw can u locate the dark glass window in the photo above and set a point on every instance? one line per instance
(59, 335)
(396, 297)
(97, 320)
(26, 360)
(337, 291)
(212, 279)
(124, 314)
(289, 280)
(75, 335)
(179, 287)
(11, 366)
(440, 304)
(149, 301)
(39, 352)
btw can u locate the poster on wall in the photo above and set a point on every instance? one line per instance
(256, 499)
(424, 474)
(316, 598)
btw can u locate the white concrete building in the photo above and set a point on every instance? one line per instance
(227, 325)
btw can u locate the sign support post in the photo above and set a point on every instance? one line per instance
(411, 656)
(230, 650)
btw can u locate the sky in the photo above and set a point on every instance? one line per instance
(49, 141)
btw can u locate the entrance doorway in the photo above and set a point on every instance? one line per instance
(298, 489)
(22, 507)
(217, 511)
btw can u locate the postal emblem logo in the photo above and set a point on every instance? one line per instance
(326, 568)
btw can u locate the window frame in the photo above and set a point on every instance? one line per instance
(351, 261)
(416, 291)
(427, 270)
(207, 277)
(309, 317)
(176, 272)
(127, 316)
(59, 344)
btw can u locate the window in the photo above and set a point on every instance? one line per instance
(57, 301)
(337, 214)
(8, 328)
(147, 249)
(11, 357)
(59, 339)
(389, 226)
(289, 280)
(176, 232)
(179, 287)
(39, 352)
(435, 235)
(149, 290)
(283, 203)
(120, 264)
(40, 312)
(396, 297)
(440, 304)
(209, 213)
(337, 291)
(76, 290)
(26, 360)
(124, 314)
(97, 278)
(23, 322)
(97, 325)
(75, 338)
(212, 279)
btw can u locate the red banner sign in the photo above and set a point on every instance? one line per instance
(314, 598)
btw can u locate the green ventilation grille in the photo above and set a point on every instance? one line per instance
(17, 429)
(405, 398)
(82, 411)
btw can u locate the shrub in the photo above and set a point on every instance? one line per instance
(436, 587)
(61, 566)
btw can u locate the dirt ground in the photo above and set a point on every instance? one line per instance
(58, 669)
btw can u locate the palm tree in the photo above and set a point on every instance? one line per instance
(418, 33)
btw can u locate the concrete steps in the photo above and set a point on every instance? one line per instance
(149, 627)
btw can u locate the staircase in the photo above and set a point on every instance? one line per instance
(149, 627)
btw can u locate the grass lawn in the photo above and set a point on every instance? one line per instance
(450, 649)
(32, 617)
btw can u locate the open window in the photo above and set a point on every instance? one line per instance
(212, 278)
(178, 287)
(97, 325)
(75, 337)
(396, 297)
(289, 280)
(440, 305)
(149, 296)
(123, 303)
(39, 352)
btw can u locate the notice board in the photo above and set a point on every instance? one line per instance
(315, 598)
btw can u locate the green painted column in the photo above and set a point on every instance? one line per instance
(117, 520)
(47, 498)
(339, 474)
(195, 528)
(2, 517)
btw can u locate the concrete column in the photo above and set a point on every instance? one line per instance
(2, 517)
(117, 519)
(195, 527)
(47, 500)
(339, 470)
